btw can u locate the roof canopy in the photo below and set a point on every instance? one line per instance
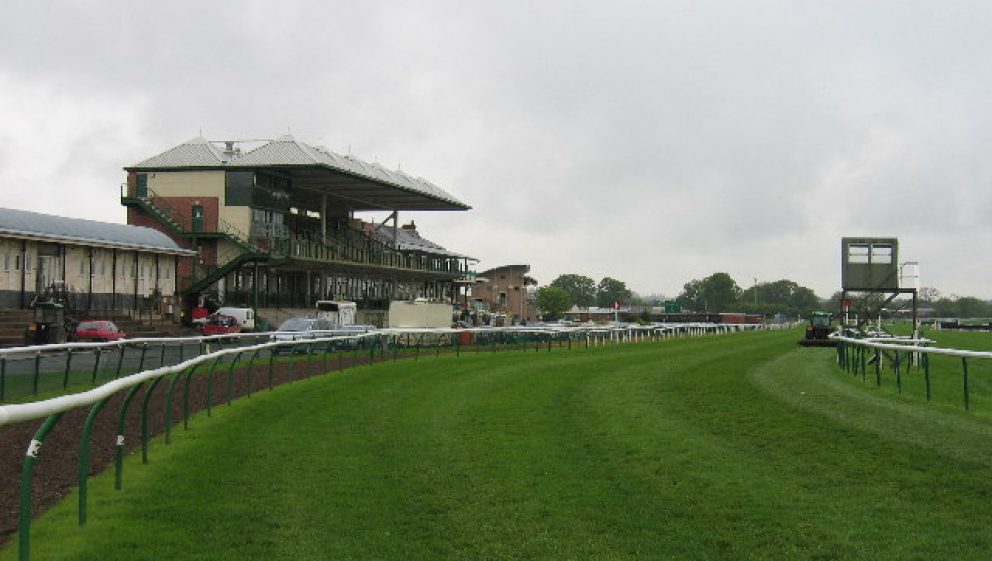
(411, 240)
(315, 172)
(59, 229)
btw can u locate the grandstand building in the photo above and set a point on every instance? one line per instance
(273, 225)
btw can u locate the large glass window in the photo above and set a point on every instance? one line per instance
(881, 254)
(858, 253)
(238, 188)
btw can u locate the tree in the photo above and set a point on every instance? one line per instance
(581, 290)
(691, 297)
(971, 307)
(553, 301)
(720, 292)
(928, 295)
(611, 290)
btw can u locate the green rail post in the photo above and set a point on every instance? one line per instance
(182, 347)
(188, 380)
(68, 365)
(24, 527)
(323, 357)
(926, 372)
(309, 366)
(161, 357)
(292, 360)
(416, 355)
(96, 364)
(340, 359)
(964, 365)
(3, 377)
(878, 367)
(119, 444)
(210, 384)
(897, 365)
(230, 379)
(144, 419)
(37, 372)
(84, 457)
(371, 353)
(458, 348)
(550, 335)
(120, 362)
(141, 361)
(251, 370)
(169, 401)
(396, 346)
(272, 357)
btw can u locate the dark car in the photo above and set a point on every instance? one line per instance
(99, 330)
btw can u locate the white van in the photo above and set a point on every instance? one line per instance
(337, 312)
(245, 317)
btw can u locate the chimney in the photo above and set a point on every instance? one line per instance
(410, 226)
(229, 150)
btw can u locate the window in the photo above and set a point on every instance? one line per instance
(502, 298)
(881, 254)
(17, 262)
(6, 261)
(857, 253)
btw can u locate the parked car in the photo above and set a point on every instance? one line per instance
(299, 329)
(220, 324)
(98, 330)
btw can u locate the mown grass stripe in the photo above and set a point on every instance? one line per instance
(692, 449)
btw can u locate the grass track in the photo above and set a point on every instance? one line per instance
(728, 447)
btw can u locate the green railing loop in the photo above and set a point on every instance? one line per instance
(84, 457)
(24, 527)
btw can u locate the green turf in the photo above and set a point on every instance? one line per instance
(724, 447)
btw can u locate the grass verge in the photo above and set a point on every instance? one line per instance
(727, 447)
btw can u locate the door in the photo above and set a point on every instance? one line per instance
(197, 218)
(141, 186)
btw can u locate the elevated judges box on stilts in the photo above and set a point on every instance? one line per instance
(870, 264)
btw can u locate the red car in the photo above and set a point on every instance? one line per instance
(221, 325)
(98, 331)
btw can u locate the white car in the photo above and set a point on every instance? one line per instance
(300, 329)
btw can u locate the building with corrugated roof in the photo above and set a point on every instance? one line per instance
(108, 266)
(273, 224)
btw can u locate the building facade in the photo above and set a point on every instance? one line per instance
(273, 225)
(506, 290)
(106, 266)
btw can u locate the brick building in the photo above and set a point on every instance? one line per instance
(506, 290)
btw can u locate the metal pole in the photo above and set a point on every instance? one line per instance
(68, 363)
(230, 379)
(144, 419)
(84, 457)
(119, 445)
(964, 365)
(24, 527)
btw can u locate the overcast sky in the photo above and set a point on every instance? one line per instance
(654, 142)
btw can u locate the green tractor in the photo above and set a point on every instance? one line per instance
(54, 320)
(818, 331)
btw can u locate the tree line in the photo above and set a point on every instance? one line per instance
(718, 292)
